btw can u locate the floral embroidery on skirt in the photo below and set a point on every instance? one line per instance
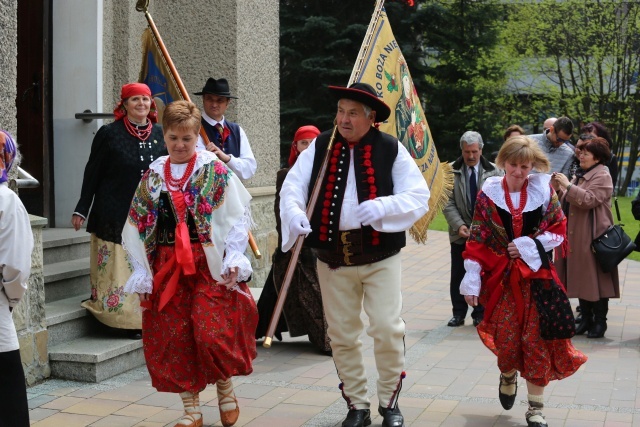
(205, 332)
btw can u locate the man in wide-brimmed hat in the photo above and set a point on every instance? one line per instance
(371, 194)
(227, 140)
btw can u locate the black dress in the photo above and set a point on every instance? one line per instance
(116, 163)
(303, 313)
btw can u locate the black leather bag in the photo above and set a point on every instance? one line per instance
(554, 310)
(637, 242)
(612, 246)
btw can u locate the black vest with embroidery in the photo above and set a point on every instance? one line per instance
(374, 157)
(232, 144)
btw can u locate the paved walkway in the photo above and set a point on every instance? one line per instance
(452, 378)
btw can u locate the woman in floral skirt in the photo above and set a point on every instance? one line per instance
(186, 236)
(517, 220)
(121, 152)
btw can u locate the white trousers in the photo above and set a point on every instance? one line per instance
(377, 288)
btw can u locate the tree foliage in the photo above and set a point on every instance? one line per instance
(459, 43)
(579, 59)
(319, 44)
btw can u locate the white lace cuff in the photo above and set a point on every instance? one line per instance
(528, 252)
(237, 259)
(140, 280)
(471, 281)
(550, 240)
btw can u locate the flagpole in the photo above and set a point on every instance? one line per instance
(366, 42)
(313, 197)
(142, 6)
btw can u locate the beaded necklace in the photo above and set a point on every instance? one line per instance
(176, 184)
(516, 213)
(142, 133)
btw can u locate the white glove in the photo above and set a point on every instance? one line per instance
(370, 211)
(300, 225)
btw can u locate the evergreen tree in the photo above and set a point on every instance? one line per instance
(319, 44)
(460, 36)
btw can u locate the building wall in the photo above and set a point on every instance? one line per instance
(8, 64)
(237, 40)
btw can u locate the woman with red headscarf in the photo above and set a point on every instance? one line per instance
(302, 313)
(120, 154)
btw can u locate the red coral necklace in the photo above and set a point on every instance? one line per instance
(175, 184)
(141, 133)
(516, 213)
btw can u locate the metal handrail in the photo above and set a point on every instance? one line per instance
(25, 180)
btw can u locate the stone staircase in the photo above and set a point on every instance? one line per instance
(80, 347)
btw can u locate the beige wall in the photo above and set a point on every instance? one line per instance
(238, 40)
(8, 64)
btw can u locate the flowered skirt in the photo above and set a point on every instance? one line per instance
(518, 345)
(203, 334)
(109, 271)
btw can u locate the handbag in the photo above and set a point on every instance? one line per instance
(637, 242)
(612, 246)
(554, 310)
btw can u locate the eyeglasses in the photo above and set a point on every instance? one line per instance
(562, 141)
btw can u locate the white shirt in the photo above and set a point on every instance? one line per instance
(244, 166)
(16, 245)
(408, 203)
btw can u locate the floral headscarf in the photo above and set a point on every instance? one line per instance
(8, 152)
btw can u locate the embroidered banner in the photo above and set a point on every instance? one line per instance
(155, 73)
(385, 68)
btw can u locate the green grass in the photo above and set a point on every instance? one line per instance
(631, 225)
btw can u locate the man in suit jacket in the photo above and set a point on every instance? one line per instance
(469, 173)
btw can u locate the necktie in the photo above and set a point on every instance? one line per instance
(220, 130)
(473, 188)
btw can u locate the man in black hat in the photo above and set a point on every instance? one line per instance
(227, 140)
(371, 194)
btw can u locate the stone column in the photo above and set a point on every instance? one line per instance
(29, 314)
(8, 63)
(237, 40)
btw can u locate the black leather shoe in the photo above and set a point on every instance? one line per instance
(476, 322)
(357, 418)
(456, 321)
(507, 400)
(597, 330)
(135, 334)
(391, 417)
(584, 326)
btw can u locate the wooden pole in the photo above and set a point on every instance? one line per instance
(142, 6)
(313, 198)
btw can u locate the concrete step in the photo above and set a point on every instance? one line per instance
(64, 244)
(66, 279)
(94, 358)
(67, 321)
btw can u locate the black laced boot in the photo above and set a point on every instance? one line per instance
(600, 310)
(586, 323)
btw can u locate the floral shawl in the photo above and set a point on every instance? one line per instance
(215, 198)
(487, 245)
